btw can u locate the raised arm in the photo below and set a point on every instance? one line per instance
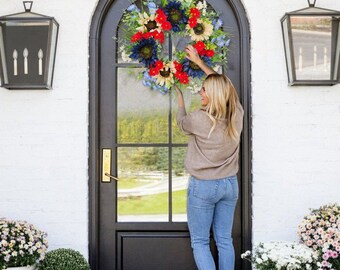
(193, 56)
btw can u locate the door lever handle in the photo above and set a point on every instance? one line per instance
(111, 176)
(106, 166)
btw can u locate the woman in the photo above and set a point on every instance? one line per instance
(212, 161)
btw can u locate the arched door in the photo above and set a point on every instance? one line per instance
(139, 222)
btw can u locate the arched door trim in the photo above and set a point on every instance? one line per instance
(94, 86)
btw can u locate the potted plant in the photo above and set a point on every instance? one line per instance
(64, 259)
(320, 231)
(281, 255)
(21, 245)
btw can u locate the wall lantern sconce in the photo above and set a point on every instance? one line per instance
(311, 39)
(28, 43)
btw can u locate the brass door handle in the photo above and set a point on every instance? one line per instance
(111, 176)
(106, 166)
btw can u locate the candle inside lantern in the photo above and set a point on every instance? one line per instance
(40, 56)
(25, 54)
(15, 63)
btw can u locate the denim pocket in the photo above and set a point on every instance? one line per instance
(234, 184)
(205, 189)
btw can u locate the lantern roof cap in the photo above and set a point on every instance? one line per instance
(314, 11)
(25, 15)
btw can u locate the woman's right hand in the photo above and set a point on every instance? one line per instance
(192, 54)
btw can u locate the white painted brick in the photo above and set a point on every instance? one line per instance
(44, 140)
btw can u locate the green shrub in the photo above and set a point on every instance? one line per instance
(64, 259)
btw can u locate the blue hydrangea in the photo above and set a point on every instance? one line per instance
(221, 41)
(152, 7)
(150, 82)
(217, 23)
(133, 7)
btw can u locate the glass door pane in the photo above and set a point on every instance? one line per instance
(142, 113)
(179, 185)
(143, 186)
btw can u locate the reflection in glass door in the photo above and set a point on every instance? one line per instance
(150, 152)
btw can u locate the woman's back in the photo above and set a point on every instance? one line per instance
(210, 156)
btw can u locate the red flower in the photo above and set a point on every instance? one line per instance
(166, 26)
(178, 67)
(192, 22)
(136, 37)
(153, 71)
(147, 35)
(184, 78)
(161, 17)
(195, 13)
(209, 53)
(199, 46)
(159, 65)
(158, 35)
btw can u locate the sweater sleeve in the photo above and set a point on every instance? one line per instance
(185, 121)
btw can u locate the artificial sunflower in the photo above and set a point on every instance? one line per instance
(175, 15)
(202, 30)
(145, 51)
(193, 70)
(166, 75)
(148, 23)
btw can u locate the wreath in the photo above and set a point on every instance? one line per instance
(148, 27)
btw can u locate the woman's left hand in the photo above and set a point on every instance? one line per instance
(179, 92)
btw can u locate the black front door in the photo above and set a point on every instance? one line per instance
(139, 221)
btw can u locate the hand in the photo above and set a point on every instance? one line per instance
(180, 99)
(179, 92)
(192, 54)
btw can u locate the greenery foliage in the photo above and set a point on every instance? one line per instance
(64, 259)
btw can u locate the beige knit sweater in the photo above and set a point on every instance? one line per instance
(210, 158)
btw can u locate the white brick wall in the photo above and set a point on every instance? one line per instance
(296, 131)
(44, 143)
(44, 135)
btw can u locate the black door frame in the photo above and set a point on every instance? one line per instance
(246, 147)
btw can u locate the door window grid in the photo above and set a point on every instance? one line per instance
(177, 181)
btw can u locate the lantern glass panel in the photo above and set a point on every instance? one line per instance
(336, 25)
(287, 50)
(312, 41)
(25, 45)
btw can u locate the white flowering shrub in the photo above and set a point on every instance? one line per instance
(320, 231)
(21, 244)
(282, 255)
(64, 259)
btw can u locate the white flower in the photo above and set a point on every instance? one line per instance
(202, 6)
(284, 254)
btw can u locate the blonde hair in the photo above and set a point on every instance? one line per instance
(222, 102)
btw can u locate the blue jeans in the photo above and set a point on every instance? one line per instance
(211, 203)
